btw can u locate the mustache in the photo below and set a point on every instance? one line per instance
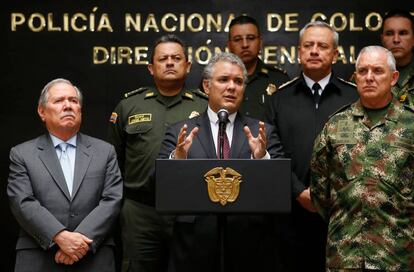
(68, 114)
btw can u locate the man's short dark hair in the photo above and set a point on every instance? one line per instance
(398, 13)
(169, 38)
(244, 19)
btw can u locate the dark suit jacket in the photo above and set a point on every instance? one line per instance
(292, 111)
(194, 245)
(40, 201)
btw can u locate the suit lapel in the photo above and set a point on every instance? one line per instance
(205, 137)
(82, 161)
(239, 139)
(47, 154)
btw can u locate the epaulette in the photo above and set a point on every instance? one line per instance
(199, 93)
(134, 92)
(288, 82)
(340, 110)
(265, 70)
(408, 102)
(280, 69)
(347, 82)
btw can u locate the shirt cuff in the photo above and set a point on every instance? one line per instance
(265, 157)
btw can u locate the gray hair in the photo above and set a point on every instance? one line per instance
(377, 48)
(45, 91)
(321, 24)
(224, 57)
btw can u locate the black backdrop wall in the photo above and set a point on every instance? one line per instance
(102, 46)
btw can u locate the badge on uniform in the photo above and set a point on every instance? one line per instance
(138, 118)
(271, 88)
(113, 117)
(345, 132)
(194, 114)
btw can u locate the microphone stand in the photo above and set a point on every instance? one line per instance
(222, 218)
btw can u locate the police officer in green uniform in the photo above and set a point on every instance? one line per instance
(245, 41)
(398, 36)
(137, 128)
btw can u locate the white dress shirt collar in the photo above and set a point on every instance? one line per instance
(212, 116)
(323, 82)
(56, 141)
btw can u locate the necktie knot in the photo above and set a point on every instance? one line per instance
(63, 147)
(316, 87)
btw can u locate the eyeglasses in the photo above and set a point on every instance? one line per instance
(240, 39)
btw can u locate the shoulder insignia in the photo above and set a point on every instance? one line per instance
(134, 92)
(188, 95)
(274, 68)
(289, 82)
(149, 94)
(340, 110)
(113, 118)
(201, 94)
(280, 70)
(346, 82)
(403, 97)
(194, 114)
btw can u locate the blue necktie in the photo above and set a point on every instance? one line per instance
(66, 166)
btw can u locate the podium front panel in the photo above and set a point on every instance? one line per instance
(181, 187)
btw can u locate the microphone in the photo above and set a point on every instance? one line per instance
(223, 117)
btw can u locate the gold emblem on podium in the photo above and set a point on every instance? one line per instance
(223, 184)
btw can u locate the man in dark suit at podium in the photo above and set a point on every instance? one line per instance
(195, 246)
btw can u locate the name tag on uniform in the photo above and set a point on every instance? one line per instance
(138, 118)
(345, 132)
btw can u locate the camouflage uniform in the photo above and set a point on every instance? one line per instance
(363, 185)
(404, 89)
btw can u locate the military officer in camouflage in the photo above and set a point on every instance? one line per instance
(363, 174)
(137, 128)
(245, 41)
(398, 36)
